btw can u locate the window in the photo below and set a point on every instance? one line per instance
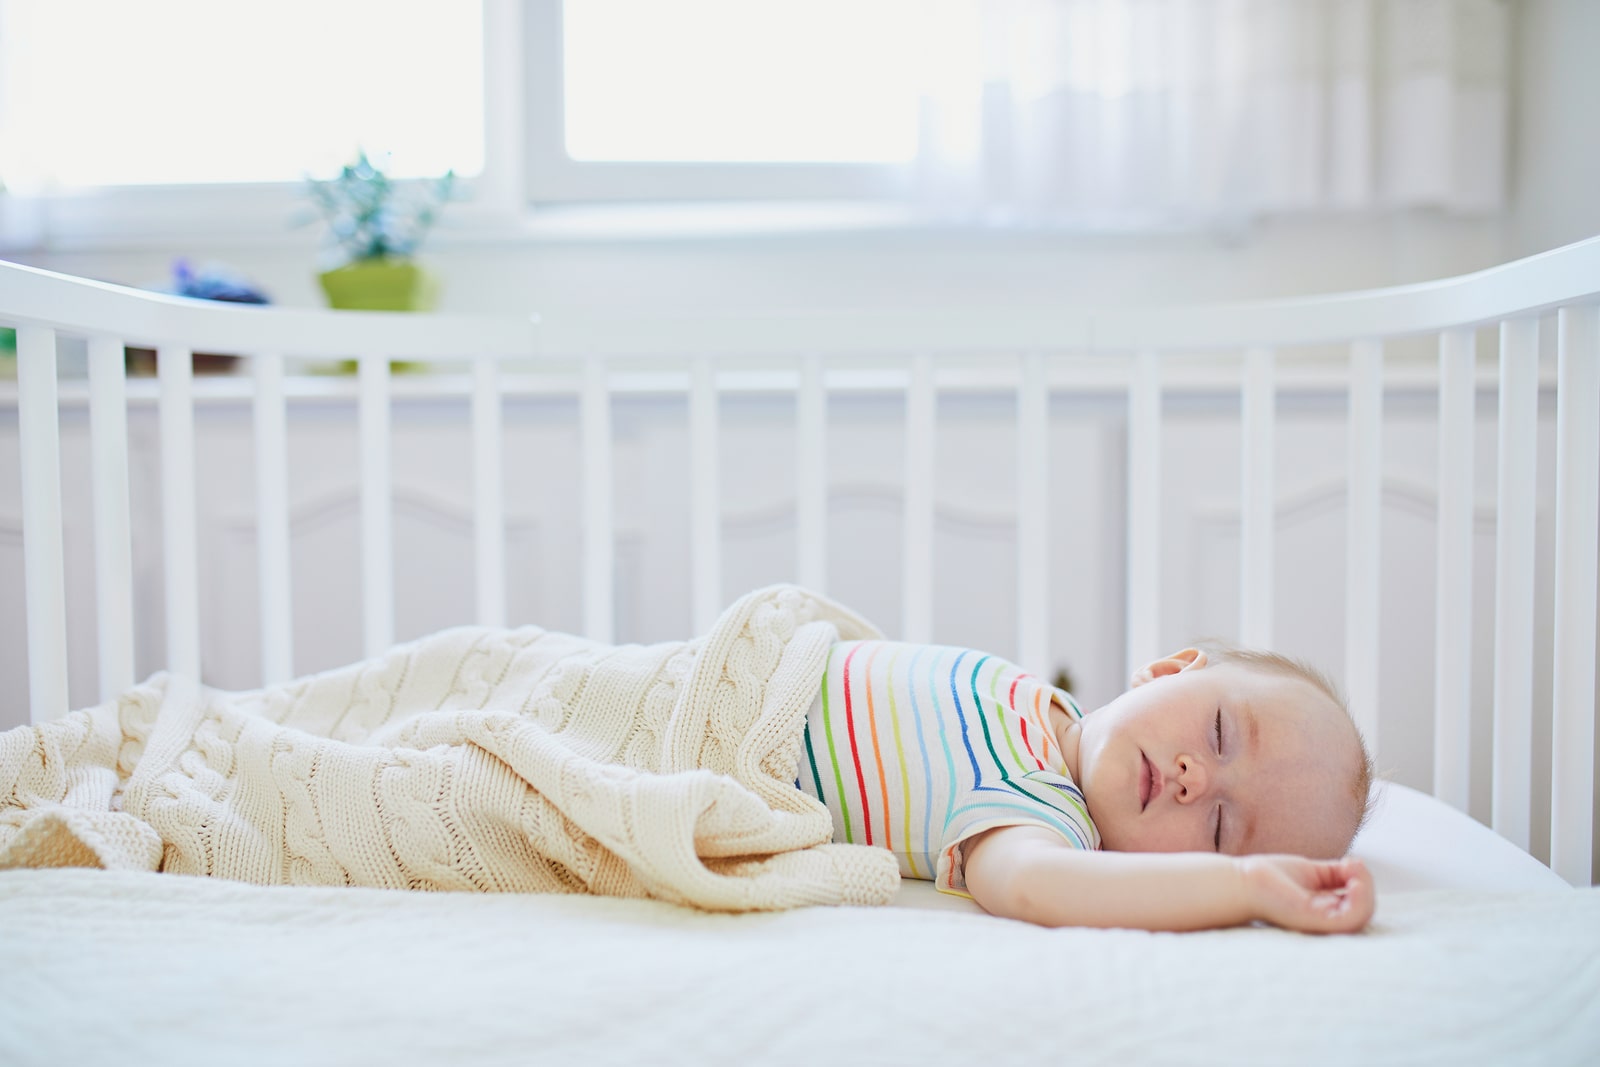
(719, 99)
(659, 90)
(100, 93)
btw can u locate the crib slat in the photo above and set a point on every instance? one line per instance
(1452, 661)
(1144, 512)
(272, 521)
(43, 555)
(705, 501)
(811, 476)
(488, 515)
(377, 509)
(1577, 541)
(917, 535)
(1363, 542)
(175, 368)
(113, 545)
(1256, 551)
(599, 547)
(1033, 499)
(1513, 596)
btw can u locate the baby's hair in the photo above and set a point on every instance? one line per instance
(1275, 663)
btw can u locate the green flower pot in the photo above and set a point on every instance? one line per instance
(380, 285)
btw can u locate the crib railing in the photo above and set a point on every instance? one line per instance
(924, 355)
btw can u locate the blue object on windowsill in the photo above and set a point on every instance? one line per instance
(214, 283)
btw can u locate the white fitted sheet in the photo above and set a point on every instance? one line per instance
(133, 967)
(121, 967)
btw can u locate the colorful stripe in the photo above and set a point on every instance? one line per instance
(855, 749)
(877, 752)
(966, 740)
(1042, 720)
(905, 776)
(811, 758)
(1005, 722)
(927, 764)
(840, 804)
(936, 716)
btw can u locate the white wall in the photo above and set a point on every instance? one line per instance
(1555, 139)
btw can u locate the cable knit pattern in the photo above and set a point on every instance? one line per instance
(474, 759)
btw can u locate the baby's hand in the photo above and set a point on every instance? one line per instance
(1312, 896)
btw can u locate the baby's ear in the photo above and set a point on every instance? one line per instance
(1186, 660)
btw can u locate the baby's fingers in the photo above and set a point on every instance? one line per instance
(1345, 909)
(1334, 874)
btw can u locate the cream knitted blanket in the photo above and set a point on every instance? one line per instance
(475, 759)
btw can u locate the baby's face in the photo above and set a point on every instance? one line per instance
(1222, 757)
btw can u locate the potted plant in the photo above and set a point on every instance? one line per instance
(376, 224)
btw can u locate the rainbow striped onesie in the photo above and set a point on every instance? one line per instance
(916, 748)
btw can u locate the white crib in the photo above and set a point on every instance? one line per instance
(1359, 348)
(566, 426)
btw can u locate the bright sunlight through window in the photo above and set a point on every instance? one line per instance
(739, 81)
(138, 92)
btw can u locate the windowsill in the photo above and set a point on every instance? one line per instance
(266, 216)
(266, 223)
(721, 220)
(280, 216)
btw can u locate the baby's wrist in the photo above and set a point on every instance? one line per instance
(1247, 873)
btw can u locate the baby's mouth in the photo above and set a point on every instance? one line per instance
(1149, 782)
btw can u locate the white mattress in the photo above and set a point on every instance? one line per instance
(142, 968)
(1477, 954)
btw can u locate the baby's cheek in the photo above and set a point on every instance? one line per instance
(1153, 833)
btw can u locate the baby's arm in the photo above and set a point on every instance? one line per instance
(1029, 872)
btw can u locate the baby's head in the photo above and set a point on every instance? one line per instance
(1223, 749)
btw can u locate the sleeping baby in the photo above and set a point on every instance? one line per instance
(526, 760)
(1223, 787)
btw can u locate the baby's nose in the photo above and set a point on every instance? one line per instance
(1192, 780)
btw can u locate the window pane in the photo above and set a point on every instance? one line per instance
(800, 81)
(114, 92)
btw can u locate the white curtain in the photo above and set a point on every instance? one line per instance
(1134, 113)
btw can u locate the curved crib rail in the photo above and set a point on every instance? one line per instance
(1562, 276)
(1513, 296)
